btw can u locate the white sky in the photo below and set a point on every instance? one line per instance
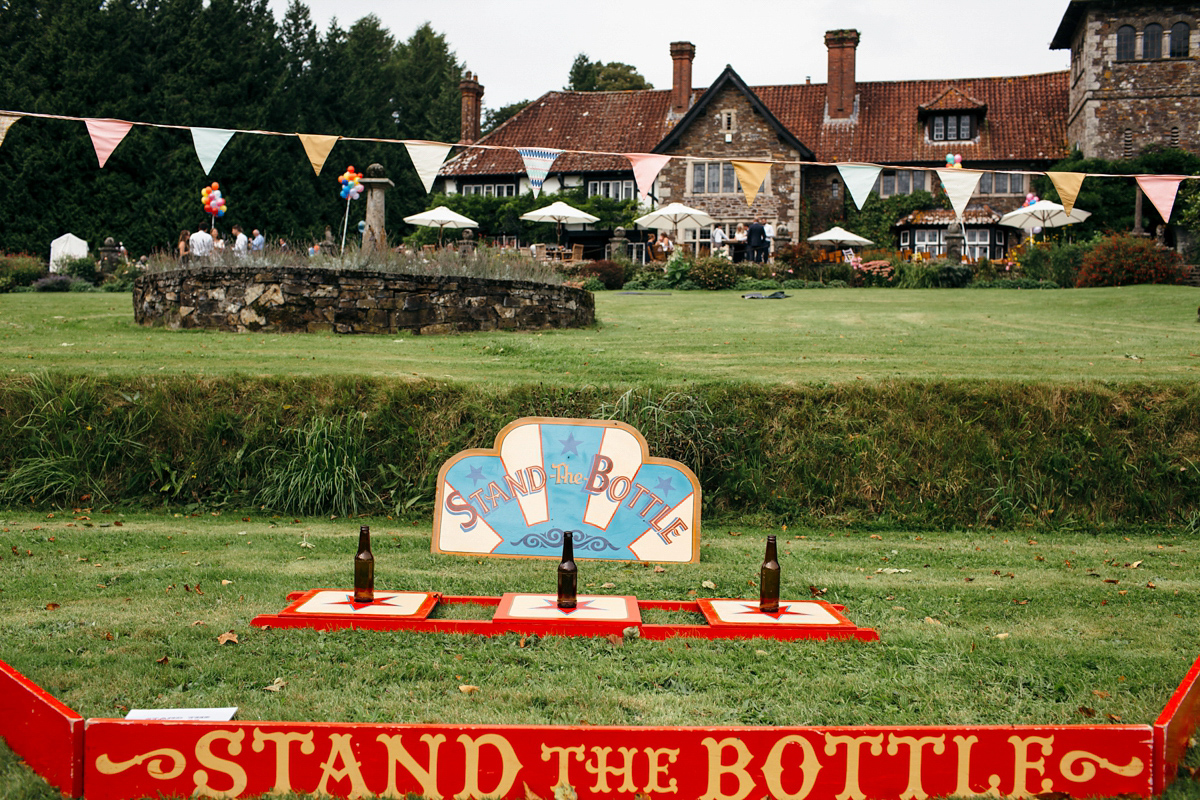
(521, 49)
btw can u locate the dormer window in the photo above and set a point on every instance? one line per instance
(951, 127)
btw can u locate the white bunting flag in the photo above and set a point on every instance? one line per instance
(959, 185)
(859, 180)
(427, 157)
(209, 142)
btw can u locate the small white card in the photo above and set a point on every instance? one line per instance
(202, 714)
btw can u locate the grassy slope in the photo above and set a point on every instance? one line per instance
(812, 337)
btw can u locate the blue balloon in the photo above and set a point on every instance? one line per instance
(362, 226)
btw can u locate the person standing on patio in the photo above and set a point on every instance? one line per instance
(719, 238)
(756, 240)
(769, 230)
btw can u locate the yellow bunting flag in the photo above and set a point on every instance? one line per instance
(751, 174)
(318, 148)
(6, 122)
(1067, 184)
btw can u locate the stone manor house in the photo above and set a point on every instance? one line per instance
(1133, 81)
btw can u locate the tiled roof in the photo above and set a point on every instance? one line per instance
(1025, 121)
(953, 99)
(941, 217)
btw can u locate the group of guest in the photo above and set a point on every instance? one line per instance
(207, 240)
(751, 242)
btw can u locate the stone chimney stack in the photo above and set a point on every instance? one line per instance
(839, 91)
(682, 54)
(472, 94)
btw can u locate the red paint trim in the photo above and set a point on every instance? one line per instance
(42, 731)
(1174, 727)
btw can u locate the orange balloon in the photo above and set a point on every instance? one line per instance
(216, 186)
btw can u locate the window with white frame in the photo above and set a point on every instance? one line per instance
(905, 238)
(928, 241)
(491, 189)
(899, 181)
(714, 177)
(617, 190)
(952, 127)
(1001, 183)
(978, 242)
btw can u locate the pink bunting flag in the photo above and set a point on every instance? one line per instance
(1161, 190)
(106, 135)
(646, 167)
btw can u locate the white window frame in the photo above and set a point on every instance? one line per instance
(725, 174)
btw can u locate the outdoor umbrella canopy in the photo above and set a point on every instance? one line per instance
(840, 237)
(1043, 214)
(559, 213)
(441, 218)
(670, 217)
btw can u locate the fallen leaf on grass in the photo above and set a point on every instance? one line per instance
(228, 636)
(1111, 580)
(1003, 635)
(1134, 565)
(657, 568)
(876, 536)
(1103, 695)
(892, 570)
(1150, 585)
(1087, 712)
(1113, 717)
(225, 582)
(735, 533)
(275, 685)
(614, 640)
(815, 592)
(932, 621)
(608, 586)
(467, 688)
(708, 584)
(52, 606)
(163, 660)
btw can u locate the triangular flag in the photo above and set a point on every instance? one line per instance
(106, 135)
(427, 157)
(1161, 190)
(859, 180)
(537, 164)
(209, 142)
(1067, 184)
(6, 122)
(318, 148)
(646, 167)
(751, 174)
(959, 185)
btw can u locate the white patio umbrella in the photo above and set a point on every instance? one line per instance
(670, 217)
(1043, 214)
(840, 237)
(559, 213)
(441, 218)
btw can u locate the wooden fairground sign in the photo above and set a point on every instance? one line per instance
(545, 476)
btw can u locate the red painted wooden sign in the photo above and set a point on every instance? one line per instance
(242, 759)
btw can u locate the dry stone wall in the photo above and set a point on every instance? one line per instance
(309, 300)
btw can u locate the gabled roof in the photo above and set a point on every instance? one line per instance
(953, 99)
(1068, 24)
(728, 78)
(1026, 122)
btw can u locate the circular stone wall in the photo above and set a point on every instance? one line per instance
(311, 299)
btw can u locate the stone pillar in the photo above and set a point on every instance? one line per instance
(466, 245)
(110, 256)
(375, 236)
(954, 243)
(618, 246)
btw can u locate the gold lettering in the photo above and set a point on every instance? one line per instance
(962, 785)
(283, 742)
(601, 769)
(717, 770)
(564, 778)
(852, 791)
(773, 769)
(340, 748)
(914, 790)
(656, 769)
(508, 760)
(397, 754)
(204, 755)
(1022, 764)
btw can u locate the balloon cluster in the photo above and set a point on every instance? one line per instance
(954, 161)
(1030, 199)
(351, 185)
(214, 203)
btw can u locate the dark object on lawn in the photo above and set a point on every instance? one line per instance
(761, 296)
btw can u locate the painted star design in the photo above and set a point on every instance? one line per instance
(475, 475)
(785, 610)
(665, 486)
(349, 601)
(570, 444)
(581, 605)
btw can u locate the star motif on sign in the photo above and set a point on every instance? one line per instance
(785, 610)
(582, 605)
(475, 475)
(570, 444)
(665, 486)
(349, 601)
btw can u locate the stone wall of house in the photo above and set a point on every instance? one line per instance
(1157, 101)
(752, 138)
(309, 299)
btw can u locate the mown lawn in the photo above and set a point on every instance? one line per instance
(1130, 334)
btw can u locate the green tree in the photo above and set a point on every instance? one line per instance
(494, 118)
(594, 76)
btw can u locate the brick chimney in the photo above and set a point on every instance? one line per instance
(472, 93)
(839, 91)
(682, 54)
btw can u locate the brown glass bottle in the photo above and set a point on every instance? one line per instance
(568, 573)
(768, 581)
(364, 568)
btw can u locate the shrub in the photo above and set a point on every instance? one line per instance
(594, 284)
(714, 273)
(933, 275)
(876, 274)
(610, 273)
(745, 284)
(1014, 283)
(797, 260)
(1035, 261)
(54, 283)
(1126, 260)
(19, 270)
(1066, 259)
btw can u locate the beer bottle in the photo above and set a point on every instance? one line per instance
(768, 581)
(568, 573)
(364, 568)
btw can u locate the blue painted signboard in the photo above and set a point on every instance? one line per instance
(546, 476)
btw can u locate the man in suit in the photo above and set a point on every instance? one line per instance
(756, 240)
